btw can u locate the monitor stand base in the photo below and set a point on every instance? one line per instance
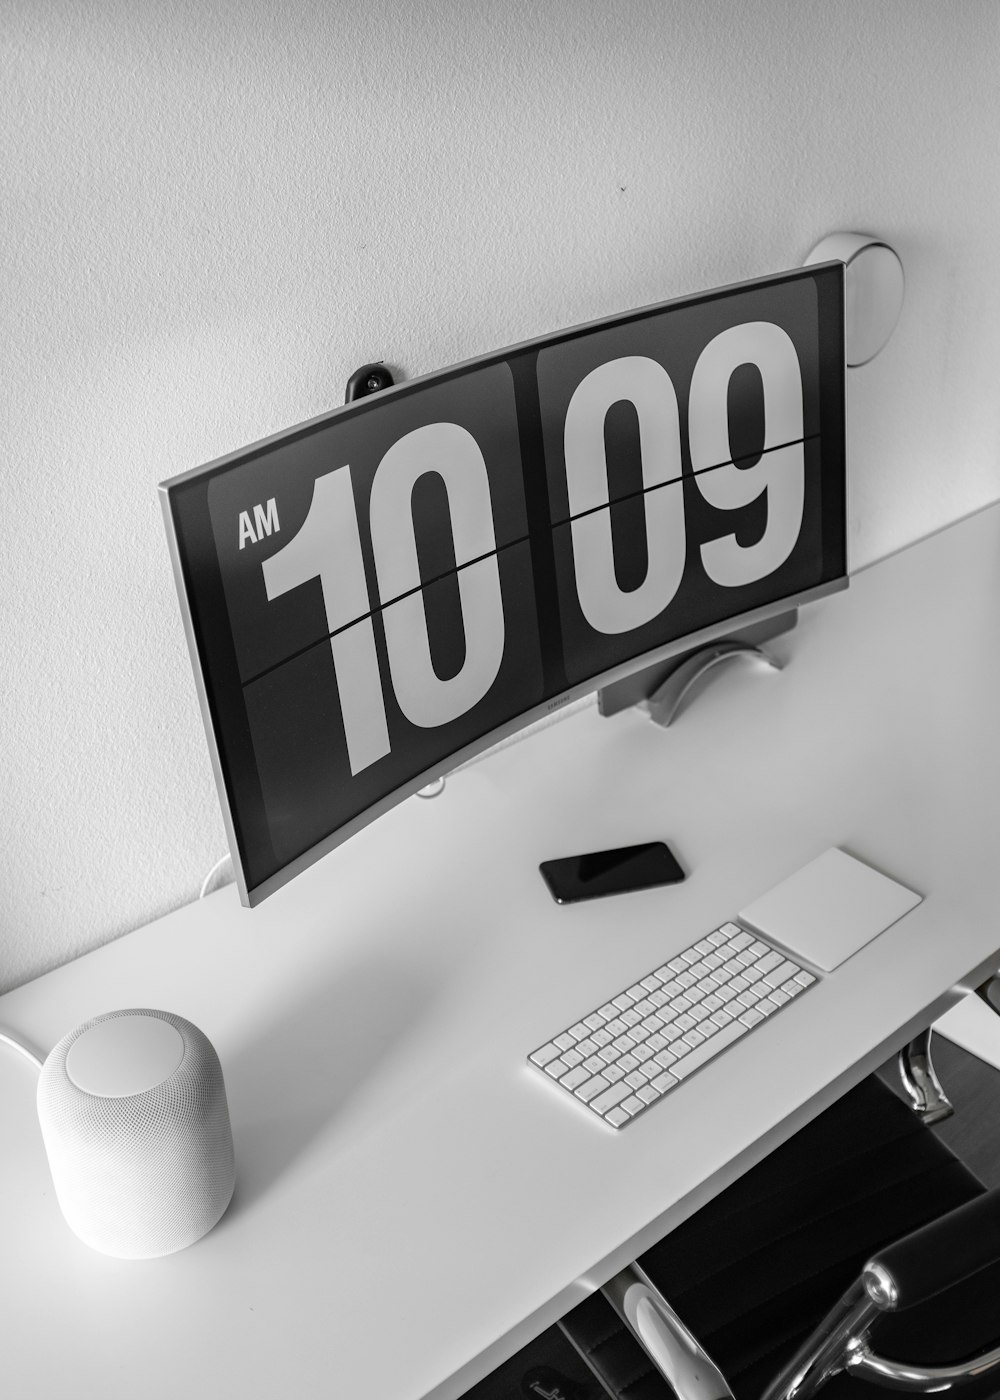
(662, 689)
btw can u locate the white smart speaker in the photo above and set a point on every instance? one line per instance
(133, 1112)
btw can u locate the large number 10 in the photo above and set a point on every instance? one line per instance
(328, 546)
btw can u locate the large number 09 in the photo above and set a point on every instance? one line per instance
(328, 547)
(780, 471)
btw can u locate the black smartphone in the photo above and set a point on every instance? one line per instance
(572, 878)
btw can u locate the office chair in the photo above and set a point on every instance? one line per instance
(866, 1206)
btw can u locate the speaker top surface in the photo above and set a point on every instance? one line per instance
(124, 1055)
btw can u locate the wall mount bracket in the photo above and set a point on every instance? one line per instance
(369, 379)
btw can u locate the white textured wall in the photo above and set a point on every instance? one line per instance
(211, 214)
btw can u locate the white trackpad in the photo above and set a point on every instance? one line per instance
(829, 909)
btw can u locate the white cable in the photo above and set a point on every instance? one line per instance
(16, 1045)
(208, 878)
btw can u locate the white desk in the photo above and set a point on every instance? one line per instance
(414, 1202)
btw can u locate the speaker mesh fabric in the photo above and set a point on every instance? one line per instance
(145, 1174)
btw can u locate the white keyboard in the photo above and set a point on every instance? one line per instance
(636, 1047)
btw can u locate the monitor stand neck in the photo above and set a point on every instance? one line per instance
(663, 688)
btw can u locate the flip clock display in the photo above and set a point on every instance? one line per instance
(373, 593)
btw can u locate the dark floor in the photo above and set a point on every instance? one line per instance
(973, 1132)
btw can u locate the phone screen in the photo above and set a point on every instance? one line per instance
(596, 873)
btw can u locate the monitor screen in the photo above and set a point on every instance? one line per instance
(375, 596)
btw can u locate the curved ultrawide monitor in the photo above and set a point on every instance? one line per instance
(375, 596)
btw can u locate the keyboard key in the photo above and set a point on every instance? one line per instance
(574, 1078)
(781, 973)
(725, 1036)
(633, 1104)
(590, 1087)
(543, 1055)
(617, 1117)
(600, 1103)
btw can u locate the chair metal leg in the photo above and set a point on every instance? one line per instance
(842, 1343)
(672, 1348)
(826, 1350)
(916, 1069)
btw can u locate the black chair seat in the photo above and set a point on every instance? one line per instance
(755, 1270)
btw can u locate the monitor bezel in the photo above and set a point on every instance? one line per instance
(252, 895)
